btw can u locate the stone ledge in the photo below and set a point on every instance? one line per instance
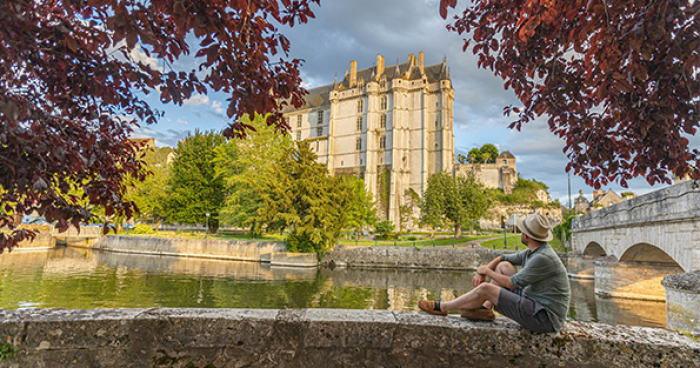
(322, 337)
(689, 281)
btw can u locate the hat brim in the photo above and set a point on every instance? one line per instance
(523, 229)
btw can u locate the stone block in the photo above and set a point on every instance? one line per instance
(285, 259)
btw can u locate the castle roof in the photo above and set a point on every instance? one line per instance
(318, 97)
(506, 154)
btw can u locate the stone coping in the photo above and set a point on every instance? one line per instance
(683, 281)
(162, 337)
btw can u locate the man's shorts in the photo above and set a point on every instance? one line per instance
(530, 314)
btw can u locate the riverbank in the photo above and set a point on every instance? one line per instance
(161, 337)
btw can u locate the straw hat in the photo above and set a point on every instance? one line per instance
(536, 226)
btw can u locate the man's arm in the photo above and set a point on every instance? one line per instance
(499, 278)
(481, 276)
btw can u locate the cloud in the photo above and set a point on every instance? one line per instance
(216, 107)
(197, 100)
(182, 121)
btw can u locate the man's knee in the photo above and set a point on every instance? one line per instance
(505, 268)
(488, 290)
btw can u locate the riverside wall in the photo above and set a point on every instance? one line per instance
(191, 248)
(159, 337)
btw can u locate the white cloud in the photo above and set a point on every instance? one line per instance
(197, 100)
(216, 107)
(182, 121)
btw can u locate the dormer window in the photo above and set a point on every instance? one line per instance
(359, 106)
(319, 119)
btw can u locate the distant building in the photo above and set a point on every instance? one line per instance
(501, 174)
(389, 125)
(601, 199)
(144, 143)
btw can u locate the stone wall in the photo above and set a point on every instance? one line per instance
(683, 301)
(196, 248)
(409, 257)
(41, 241)
(134, 338)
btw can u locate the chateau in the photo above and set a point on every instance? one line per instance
(392, 127)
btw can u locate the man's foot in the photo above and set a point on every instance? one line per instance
(431, 307)
(479, 314)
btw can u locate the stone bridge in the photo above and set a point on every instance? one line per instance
(628, 248)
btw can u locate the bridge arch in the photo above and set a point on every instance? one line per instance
(594, 249)
(645, 252)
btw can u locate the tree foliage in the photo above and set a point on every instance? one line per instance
(194, 186)
(617, 80)
(73, 75)
(150, 195)
(453, 201)
(362, 211)
(487, 154)
(243, 165)
(299, 196)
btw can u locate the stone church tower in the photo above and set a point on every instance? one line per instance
(389, 125)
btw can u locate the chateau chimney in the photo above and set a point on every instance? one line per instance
(421, 62)
(411, 60)
(353, 73)
(380, 65)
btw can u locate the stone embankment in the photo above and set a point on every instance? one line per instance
(134, 338)
(683, 301)
(408, 257)
(191, 248)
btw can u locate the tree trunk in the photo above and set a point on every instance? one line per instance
(458, 230)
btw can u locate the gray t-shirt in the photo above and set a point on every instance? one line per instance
(543, 279)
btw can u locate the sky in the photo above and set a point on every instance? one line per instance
(359, 30)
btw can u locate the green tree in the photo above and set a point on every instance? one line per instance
(194, 187)
(474, 156)
(362, 211)
(489, 153)
(453, 201)
(384, 228)
(299, 196)
(243, 164)
(150, 195)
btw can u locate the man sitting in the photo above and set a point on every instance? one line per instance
(537, 297)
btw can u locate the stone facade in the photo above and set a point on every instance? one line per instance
(389, 125)
(163, 337)
(601, 199)
(502, 174)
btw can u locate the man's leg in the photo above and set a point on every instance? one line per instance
(504, 268)
(474, 299)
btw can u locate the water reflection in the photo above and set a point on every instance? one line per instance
(78, 278)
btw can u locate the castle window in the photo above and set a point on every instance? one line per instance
(382, 84)
(320, 118)
(359, 106)
(358, 144)
(359, 123)
(382, 103)
(298, 121)
(319, 131)
(437, 124)
(382, 142)
(505, 162)
(299, 135)
(382, 121)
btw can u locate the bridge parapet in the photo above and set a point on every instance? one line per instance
(679, 202)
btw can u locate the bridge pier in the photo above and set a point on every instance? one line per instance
(632, 280)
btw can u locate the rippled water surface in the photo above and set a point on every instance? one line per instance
(81, 279)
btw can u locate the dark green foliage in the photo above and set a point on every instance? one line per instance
(384, 228)
(149, 195)
(525, 192)
(194, 187)
(300, 197)
(143, 229)
(487, 154)
(361, 211)
(452, 201)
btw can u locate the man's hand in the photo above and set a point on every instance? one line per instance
(483, 270)
(478, 279)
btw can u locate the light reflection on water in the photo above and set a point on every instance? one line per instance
(82, 279)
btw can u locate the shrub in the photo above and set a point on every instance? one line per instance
(412, 238)
(143, 229)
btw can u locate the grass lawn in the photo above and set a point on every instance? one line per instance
(218, 236)
(417, 243)
(514, 240)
